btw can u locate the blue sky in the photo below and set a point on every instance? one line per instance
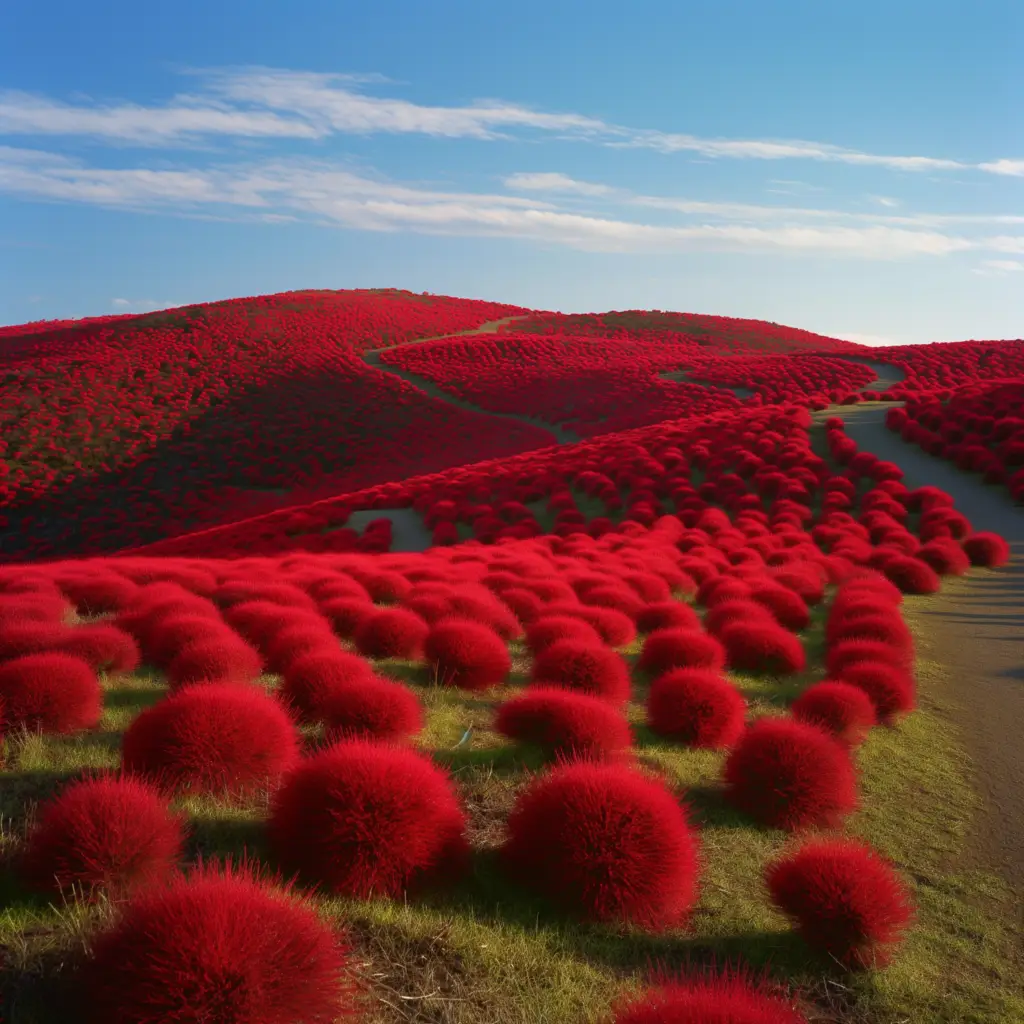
(851, 168)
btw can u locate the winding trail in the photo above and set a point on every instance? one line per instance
(372, 357)
(974, 629)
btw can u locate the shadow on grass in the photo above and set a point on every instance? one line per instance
(19, 790)
(131, 698)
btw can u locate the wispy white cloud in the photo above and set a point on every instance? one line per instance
(329, 194)
(268, 103)
(554, 182)
(886, 201)
(139, 305)
(999, 268)
(1012, 168)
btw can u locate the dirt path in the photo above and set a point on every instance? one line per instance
(975, 628)
(372, 357)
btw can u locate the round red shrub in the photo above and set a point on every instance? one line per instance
(666, 649)
(756, 647)
(227, 660)
(844, 711)
(844, 899)
(346, 613)
(615, 628)
(113, 833)
(106, 648)
(667, 615)
(987, 549)
(222, 947)
(606, 844)
(466, 654)
(850, 652)
(887, 629)
(50, 693)
(166, 637)
(945, 556)
(912, 575)
(747, 612)
(615, 596)
(216, 738)
(786, 606)
(371, 707)
(23, 637)
(99, 595)
(732, 997)
(890, 689)
(309, 681)
(295, 641)
(697, 707)
(583, 667)
(789, 774)
(367, 819)
(550, 629)
(564, 724)
(391, 633)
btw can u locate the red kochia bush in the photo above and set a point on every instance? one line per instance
(844, 899)
(228, 660)
(345, 613)
(842, 710)
(366, 819)
(213, 738)
(945, 556)
(987, 549)
(549, 629)
(51, 693)
(791, 775)
(754, 647)
(106, 648)
(666, 649)
(585, 668)
(310, 680)
(391, 633)
(890, 689)
(111, 833)
(731, 997)
(218, 947)
(697, 707)
(606, 844)
(912, 575)
(667, 615)
(564, 724)
(466, 654)
(851, 652)
(371, 707)
(22, 637)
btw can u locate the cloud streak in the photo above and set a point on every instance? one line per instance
(268, 104)
(325, 193)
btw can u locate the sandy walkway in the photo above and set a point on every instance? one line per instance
(976, 628)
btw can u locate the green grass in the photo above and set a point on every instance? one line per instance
(486, 952)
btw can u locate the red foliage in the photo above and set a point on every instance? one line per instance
(697, 707)
(225, 660)
(112, 833)
(732, 997)
(371, 708)
(391, 633)
(890, 689)
(583, 668)
(310, 680)
(666, 649)
(366, 819)
(667, 615)
(466, 654)
(216, 738)
(218, 947)
(842, 710)
(50, 693)
(606, 844)
(106, 648)
(756, 647)
(564, 724)
(844, 899)
(791, 775)
(912, 575)
(987, 549)
(945, 556)
(547, 630)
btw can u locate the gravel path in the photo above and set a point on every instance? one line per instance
(975, 629)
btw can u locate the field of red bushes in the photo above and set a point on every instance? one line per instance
(632, 697)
